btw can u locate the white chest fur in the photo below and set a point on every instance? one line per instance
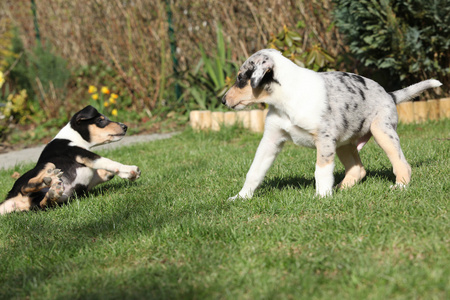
(300, 137)
(291, 130)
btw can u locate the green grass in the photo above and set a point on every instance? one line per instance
(173, 234)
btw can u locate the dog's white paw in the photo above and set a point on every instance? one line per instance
(242, 195)
(233, 198)
(399, 186)
(323, 194)
(129, 172)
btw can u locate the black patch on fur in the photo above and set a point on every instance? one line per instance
(64, 156)
(243, 78)
(360, 79)
(361, 125)
(267, 80)
(394, 98)
(350, 89)
(345, 122)
(363, 96)
(347, 106)
(23, 180)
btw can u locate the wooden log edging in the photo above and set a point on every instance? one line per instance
(408, 112)
(250, 119)
(421, 111)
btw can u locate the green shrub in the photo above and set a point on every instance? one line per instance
(209, 80)
(38, 70)
(409, 39)
(290, 43)
(49, 68)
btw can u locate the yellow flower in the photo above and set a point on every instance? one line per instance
(95, 96)
(114, 96)
(105, 104)
(92, 89)
(114, 112)
(2, 79)
(112, 100)
(105, 90)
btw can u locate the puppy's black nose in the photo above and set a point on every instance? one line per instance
(124, 127)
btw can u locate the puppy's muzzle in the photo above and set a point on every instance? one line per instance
(124, 127)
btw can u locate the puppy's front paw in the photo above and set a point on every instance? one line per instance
(129, 172)
(324, 194)
(233, 198)
(242, 195)
(399, 186)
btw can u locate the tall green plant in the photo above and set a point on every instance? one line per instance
(50, 68)
(409, 39)
(38, 70)
(208, 81)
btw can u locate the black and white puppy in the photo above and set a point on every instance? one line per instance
(66, 166)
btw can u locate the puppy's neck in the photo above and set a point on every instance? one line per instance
(68, 133)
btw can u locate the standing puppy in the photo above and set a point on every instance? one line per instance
(334, 112)
(66, 166)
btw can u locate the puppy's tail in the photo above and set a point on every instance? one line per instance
(413, 90)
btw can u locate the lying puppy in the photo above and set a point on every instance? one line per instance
(334, 112)
(66, 166)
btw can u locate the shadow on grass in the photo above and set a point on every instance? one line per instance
(299, 182)
(129, 220)
(281, 183)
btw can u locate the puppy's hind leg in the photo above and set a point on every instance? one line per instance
(386, 136)
(46, 178)
(42, 180)
(354, 170)
(51, 178)
(17, 203)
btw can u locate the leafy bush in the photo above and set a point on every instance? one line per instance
(43, 74)
(407, 38)
(290, 43)
(13, 109)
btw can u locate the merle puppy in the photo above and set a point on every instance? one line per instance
(333, 112)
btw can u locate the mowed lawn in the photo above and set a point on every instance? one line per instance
(173, 234)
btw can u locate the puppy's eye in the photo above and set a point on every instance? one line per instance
(100, 121)
(239, 77)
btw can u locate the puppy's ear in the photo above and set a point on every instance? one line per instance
(262, 65)
(86, 113)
